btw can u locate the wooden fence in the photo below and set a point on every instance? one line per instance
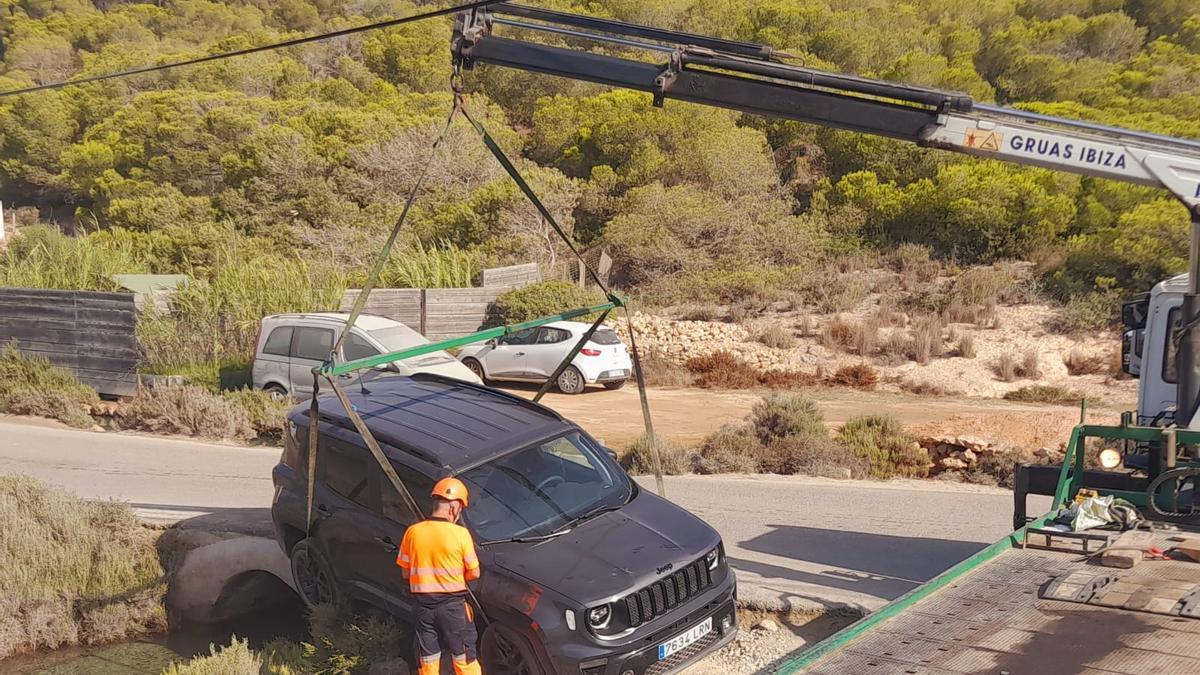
(437, 313)
(91, 334)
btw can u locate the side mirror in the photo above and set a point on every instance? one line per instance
(492, 343)
(388, 368)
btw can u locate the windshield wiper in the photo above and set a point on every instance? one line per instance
(600, 510)
(530, 539)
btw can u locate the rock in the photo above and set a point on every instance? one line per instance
(767, 625)
(952, 463)
(98, 428)
(393, 667)
(968, 456)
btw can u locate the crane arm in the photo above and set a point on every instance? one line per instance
(748, 78)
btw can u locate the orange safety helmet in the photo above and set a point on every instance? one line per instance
(451, 489)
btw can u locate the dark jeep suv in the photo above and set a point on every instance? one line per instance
(584, 572)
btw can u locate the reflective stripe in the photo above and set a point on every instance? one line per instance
(461, 658)
(437, 587)
(470, 560)
(432, 658)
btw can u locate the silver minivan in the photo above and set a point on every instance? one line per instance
(289, 346)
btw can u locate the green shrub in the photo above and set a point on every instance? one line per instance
(1089, 312)
(443, 265)
(341, 643)
(811, 455)
(777, 337)
(1044, 393)
(235, 659)
(544, 299)
(992, 468)
(73, 571)
(781, 415)
(31, 386)
(730, 449)
(267, 416)
(639, 457)
(882, 441)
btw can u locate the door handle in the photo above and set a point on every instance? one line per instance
(520, 354)
(323, 510)
(387, 543)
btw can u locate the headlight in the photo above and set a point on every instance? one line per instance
(713, 557)
(598, 617)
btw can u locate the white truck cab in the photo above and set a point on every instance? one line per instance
(1148, 348)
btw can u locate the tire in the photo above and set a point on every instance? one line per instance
(476, 367)
(315, 582)
(503, 650)
(276, 392)
(570, 381)
(615, 385)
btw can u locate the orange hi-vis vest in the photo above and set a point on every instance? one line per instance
(438, 556)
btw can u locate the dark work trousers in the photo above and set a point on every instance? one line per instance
(442, 625)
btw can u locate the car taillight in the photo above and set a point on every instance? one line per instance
(589, 352)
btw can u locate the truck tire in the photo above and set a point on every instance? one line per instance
(503, 650)
(313, 575)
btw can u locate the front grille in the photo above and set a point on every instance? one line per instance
(663, 595)
(684, 655)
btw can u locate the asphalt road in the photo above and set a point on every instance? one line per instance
(803, 542)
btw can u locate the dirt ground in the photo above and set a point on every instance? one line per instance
(686, 416)
(756, 649)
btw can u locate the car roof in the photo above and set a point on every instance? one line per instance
(366, 322)
(575, 326)
(450, 423)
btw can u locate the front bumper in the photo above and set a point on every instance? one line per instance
(640, 656)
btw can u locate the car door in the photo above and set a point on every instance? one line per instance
(547, 351)
(273, 364)
(343, 499)
(387, 585)
(507, 358)
(310, 348)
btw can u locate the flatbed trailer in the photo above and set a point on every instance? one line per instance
(1016, 607)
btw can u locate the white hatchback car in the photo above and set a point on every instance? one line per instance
(289, 346)
(532, 355)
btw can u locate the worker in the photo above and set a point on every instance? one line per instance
(437, 556)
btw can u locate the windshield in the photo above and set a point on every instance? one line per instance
(400, 337)
(542, 488)
(606, 336)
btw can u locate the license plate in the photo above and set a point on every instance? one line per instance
(680, 641)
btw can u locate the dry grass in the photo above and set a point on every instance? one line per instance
(839, 333)
(699, 312)
(832, 292)
(805, 326)
(1030, 367)
(927, 339)
(866, 342)
(777, 337)
(858, 376)
(966, 346)
(1044, 393)
(811, 455)
(1006, 367)
(73, 571)
(31, 386)
(721, 370)
(730, 449)
(190, 411)
(923, 388)
(639, 457)
(660, 371)
(1081, 363)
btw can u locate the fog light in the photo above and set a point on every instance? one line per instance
(1110, 458)
(628, 672)
(726, 623)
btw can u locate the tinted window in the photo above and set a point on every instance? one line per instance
(605, 336)
(550, 336)
(356, 347)
(542, 488)
(522, 337)
(418, 484)
(312, 343)
(342, 467)
(1170, 368)
(279, 342)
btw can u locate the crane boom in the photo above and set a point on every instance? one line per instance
(751, 78)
